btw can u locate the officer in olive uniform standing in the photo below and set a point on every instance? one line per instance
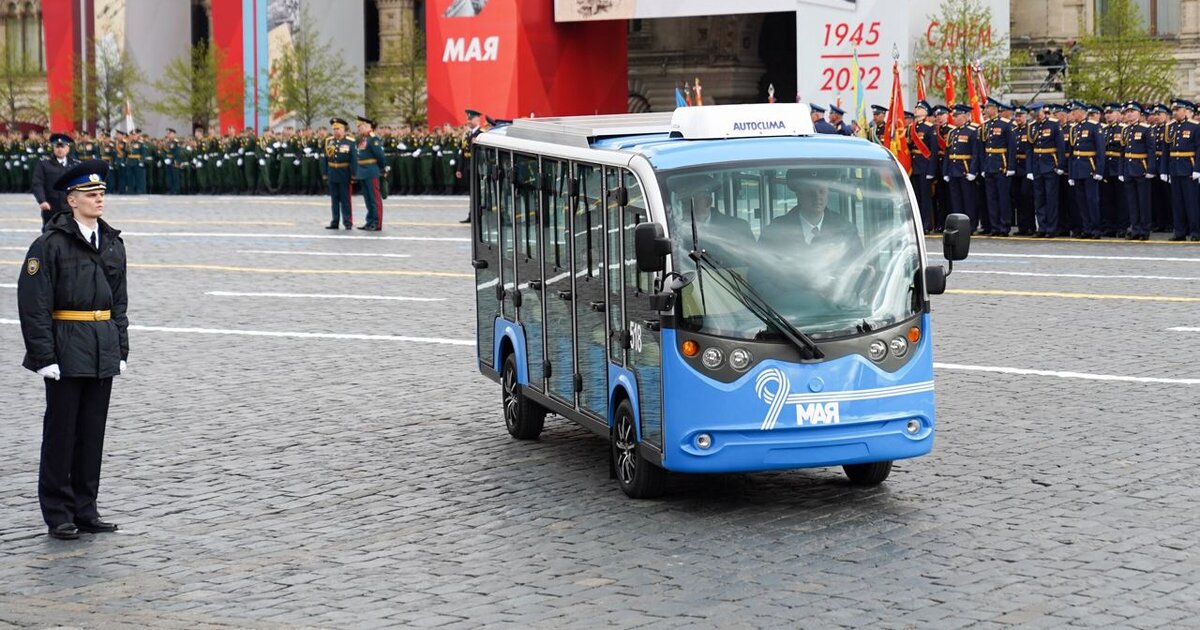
(369, 167)
(72, 302)
(46, 174)
(339, 162)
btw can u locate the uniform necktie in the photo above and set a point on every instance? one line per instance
(816, 231)
(93, 240)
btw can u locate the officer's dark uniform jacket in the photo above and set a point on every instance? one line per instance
(1000, 146)
(1047, 148)
(964, 155)
(1087, 143)
(1139, 151)
(47, 172)
(62, 272)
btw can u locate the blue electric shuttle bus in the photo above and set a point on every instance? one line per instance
(713, 290)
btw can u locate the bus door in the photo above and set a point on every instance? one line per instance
(527, 231)
(557, 200)
(485, 249)
(508, 275)
(643, 348)
(589, 295)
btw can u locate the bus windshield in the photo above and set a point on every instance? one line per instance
(830, 246)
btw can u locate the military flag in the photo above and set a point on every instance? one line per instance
(920, 83)
(895, 135)
(973, 99)
(864, 128)
(949, 86)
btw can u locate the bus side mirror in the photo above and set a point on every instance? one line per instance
(651, 247)
(935, 280)
(956, 239)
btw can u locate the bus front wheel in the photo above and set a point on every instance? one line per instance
(638, 478)
(871, 474)
(523, 417)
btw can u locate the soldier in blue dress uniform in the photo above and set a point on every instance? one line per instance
(338, 165)
(1044, 165)
(1022, 189)
(1138, 170)
(371, 161)
(820, 125)
(1183, 152)
(924, 165)
(1114, 216)
(1086, 170)
(837, 121)
(1160, 189)
(999, 166)
(963, 161)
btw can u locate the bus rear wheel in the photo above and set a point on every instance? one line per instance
(638, 478)
(523, 417)
(871, 474)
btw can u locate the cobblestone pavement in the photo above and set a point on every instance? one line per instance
(291, 481)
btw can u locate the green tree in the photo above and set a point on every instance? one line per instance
(309, 79)
(190, 86)
(111, 79)
(20, 99)
(397, 85)
(962, 35)
(1120, 61)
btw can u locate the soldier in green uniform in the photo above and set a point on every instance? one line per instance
(289, 162)
(368, 171)
(172, 161)
(406, 164)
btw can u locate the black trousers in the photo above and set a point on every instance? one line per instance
(72, 443)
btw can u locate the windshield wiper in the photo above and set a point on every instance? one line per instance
(740, 289)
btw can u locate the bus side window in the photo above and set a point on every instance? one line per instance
(525, 178)
(635, 213)
(590, 210)
(485, 166)
(559, 178)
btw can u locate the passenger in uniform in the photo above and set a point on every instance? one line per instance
(999, 166)
(1046, 161)
(924, 162)
(46, 175)
(371, 161)
(1086, 170)
(72, 302)
(837, 121)
(1183, 151)
(964, 158)
(1138, 170)
(726, 238)
(338, 164)
(464, 163)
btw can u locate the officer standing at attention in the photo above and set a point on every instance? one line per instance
(1022, 189)
(338, 165)
(370, 165)
(47, 173)
(1087, 143)
(999, 165)
(924, 162)
(172, 162)
(836, 115)
(820, 125)
(72, 301)
(1137, 171)
(1183, 151)
(878, 120)
(964, 157)
(464, 164)
(1046, 159)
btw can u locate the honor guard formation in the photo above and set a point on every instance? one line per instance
(1119, 170)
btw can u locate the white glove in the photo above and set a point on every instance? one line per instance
(451, 162)
(1029, 176)
(1165, 177)
(1149, 175)
(241, 151)
(983, 175)
(1059, 171)
(307, 150)
(219, 162)
(946, 177)
(417, 153)
(167, 161)
(1009, 173)
(1070, 182)
(122, 366)
(239, 163)
(296, 162)
(1100, 178)
(1120, 178)
(970, 177)
(51, 371)
(262, 162)
(929, 177)
(1196, 176)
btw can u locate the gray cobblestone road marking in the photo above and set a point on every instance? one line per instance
(349, 483)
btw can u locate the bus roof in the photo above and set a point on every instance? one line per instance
(699, 135)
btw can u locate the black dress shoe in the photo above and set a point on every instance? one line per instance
(64, 531)
(365, 227)
(1040, 235)
(349, 227)
(95, 526)
(1176, 238)
(466, 220)
(331, 226)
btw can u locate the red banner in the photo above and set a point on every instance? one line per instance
(61, 28)
(512, 61)
(227, 38)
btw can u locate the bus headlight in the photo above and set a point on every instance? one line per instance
(712, 358)
(877, 350)
(739, 359)
(899, 347)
